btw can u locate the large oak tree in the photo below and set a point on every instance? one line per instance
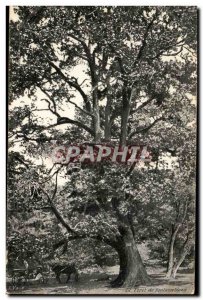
(130, 74)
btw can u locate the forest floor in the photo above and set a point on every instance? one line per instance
(98, 283)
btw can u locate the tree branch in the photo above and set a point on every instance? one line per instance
(57, 213)
(144, 130)
(72, 84)
(56, 185)
(143, 105)
(90, 59)
(168, 54)
(144, 41)
(66, 120)
(82, 110)
(50, 109)
(178, 44)
(52, 100)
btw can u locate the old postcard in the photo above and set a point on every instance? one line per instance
(101, 168)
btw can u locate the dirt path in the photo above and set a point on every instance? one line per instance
(100, 284)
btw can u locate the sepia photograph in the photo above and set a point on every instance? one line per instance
(102, 124)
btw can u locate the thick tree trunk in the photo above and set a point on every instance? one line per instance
(171, 252)
(132, 271)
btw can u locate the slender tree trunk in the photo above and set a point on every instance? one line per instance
(185, 252)
(171, 265)
(127, 97)
(97, 128)
(96, 119)
(132, 271)
(107, 128)
(171, 251)
(124, 122)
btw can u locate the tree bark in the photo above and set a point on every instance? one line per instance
(124, 122)
(127, 97)
(97, 128)
(107, 126)
(132, 271)
(175, 229)
(185, 252)
(171, 251)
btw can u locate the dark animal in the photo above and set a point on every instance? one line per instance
(65, 269)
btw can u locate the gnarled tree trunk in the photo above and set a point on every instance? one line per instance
(132, 271)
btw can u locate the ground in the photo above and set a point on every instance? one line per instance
(99, 283)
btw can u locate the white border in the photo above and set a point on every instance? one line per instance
(104, 2)
(3, 3)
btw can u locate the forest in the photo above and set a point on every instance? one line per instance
(111, 76)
